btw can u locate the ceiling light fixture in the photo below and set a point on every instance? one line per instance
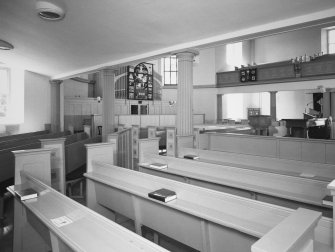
(49, 11)
(4, 45)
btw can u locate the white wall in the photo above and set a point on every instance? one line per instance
(204, 70)
(292, 104)
(37, 107)
(288, 45)
(75, 89)
(235, 105)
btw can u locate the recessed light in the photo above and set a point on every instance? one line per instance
(4, 45)
(49, 11)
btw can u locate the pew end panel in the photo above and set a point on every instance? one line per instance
(37, 161)
(58, 171)
(295, 233)
(99, 151)
(148, 145)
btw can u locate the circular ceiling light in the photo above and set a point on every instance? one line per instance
(4, 45)
(49, 11)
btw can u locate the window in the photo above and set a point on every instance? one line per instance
(170, 70)
(331, 41)
(234, 54)
(4, 91)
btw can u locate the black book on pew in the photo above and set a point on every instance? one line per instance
(158, 165)
(328, 200)
(163, 195)
(191, 156)
(25, 194)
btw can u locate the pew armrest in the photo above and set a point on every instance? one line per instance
(295, 233)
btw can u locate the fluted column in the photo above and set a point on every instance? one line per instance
(273, 105)
(55, 105)
(108, 102)
(184, 118)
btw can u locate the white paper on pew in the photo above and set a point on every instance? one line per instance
(61, 221)
(307, 175)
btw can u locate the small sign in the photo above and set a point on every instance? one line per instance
(61, 221)
(249, 74)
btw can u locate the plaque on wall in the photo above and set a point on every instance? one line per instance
(249, 74)
(140, 82)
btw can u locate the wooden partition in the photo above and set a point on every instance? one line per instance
(204, 219)
(123, 152)
(154, 120)
(309, 150)
(54, 222)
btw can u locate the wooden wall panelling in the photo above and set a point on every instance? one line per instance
(290, 150)
(313, 152)
(330, 150)
(171, 147)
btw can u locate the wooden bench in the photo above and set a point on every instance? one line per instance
(36, 226)
(283, 190)
(204, 219)
(319, 171)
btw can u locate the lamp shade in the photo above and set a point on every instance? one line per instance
(4, 45)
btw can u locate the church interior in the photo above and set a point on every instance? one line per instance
(167, 126)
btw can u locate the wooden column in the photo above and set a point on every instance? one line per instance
(326, 104)
(219, 108)
(273, 105)
(184, 118)
(108, 102)
(55, 105)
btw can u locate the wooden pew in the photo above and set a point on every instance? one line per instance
(307, 150)
(37, 225)
(23, 135)
(319, 171)
(204, 219)
(283, 190)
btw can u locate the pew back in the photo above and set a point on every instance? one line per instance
(198, 216)
(319, 171)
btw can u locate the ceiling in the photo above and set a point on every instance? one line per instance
(96, 34)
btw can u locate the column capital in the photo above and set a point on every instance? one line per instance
(273, 92)
(187, 55)
(108, 70)
(56, 82)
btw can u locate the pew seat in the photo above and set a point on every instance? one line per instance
(197, 217)
(85, 230)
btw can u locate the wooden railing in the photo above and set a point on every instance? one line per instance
(123, 154)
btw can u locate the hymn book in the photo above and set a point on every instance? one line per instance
(25, 194)
(328, 200)
(190, 156)
(163, 195)
(158, 165)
